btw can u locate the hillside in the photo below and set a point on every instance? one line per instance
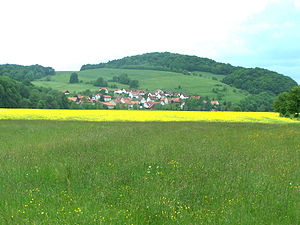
(202, 83)
(254, 80)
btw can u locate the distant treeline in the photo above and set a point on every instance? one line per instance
(14, 94)
(20, 73)
(166, 61)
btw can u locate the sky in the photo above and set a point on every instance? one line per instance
(65, 34)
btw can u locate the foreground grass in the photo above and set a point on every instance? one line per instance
(142, 115)
(148, 173)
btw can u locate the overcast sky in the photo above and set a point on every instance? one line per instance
(66, 34)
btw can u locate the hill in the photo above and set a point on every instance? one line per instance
(200, 83)
(20, 73)
(254, 80)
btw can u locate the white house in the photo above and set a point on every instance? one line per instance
(98, 96)
(184, 96)
(151, 98)
(107, 98)
(118, 91)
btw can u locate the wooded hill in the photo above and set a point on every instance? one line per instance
(166, 61)
(253, 80)
(20, 73)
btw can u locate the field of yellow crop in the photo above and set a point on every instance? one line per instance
(141, 116)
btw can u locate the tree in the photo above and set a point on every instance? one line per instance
(134, 84)
(288, 104)
(100, 82)
(74, 78)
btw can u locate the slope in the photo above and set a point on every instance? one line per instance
(200, 83)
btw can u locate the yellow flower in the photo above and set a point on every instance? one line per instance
(132, 115)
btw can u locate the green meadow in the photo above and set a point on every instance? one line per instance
(148, 173)
(149, 80)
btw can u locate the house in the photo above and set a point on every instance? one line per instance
(174, 100)
(126, 91)
(141, 100)
(98, 96)
(158, 91)
(142, 92)
(184, 96)
(195, 97)
(109, 105)
(160, 95)
(214, 102)
(66, 92)
(118, 91)
(105, 90)
(177, 94)
(164, 100)
(182, 105)
(74, 99)
(151, 94)
(149, 105)
(107, 98)
(168, 93)
(132, 103)
(134, 94)
(151, 99)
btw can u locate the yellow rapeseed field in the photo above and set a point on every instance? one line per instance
(132, 115)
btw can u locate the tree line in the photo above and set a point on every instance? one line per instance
(20, 73)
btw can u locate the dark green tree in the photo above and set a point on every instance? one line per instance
(100, 82)
(134, 84)
(288, 104)
(74, 78)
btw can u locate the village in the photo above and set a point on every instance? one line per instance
(139, 99)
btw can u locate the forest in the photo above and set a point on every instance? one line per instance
(15, 94)
(20, 73)
(166, 61)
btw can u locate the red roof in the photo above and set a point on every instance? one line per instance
(177, 100)
(106, 96)
(196, 97)
(72, 99)
(107, 104)
(214, 102)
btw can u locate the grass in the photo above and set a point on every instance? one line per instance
(55, 172)
(148, 79)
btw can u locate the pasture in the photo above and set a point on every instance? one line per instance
(148, 80)
(64, 172)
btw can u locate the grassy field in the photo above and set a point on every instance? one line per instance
(142, 115)
(148, 173)
(148, 79)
